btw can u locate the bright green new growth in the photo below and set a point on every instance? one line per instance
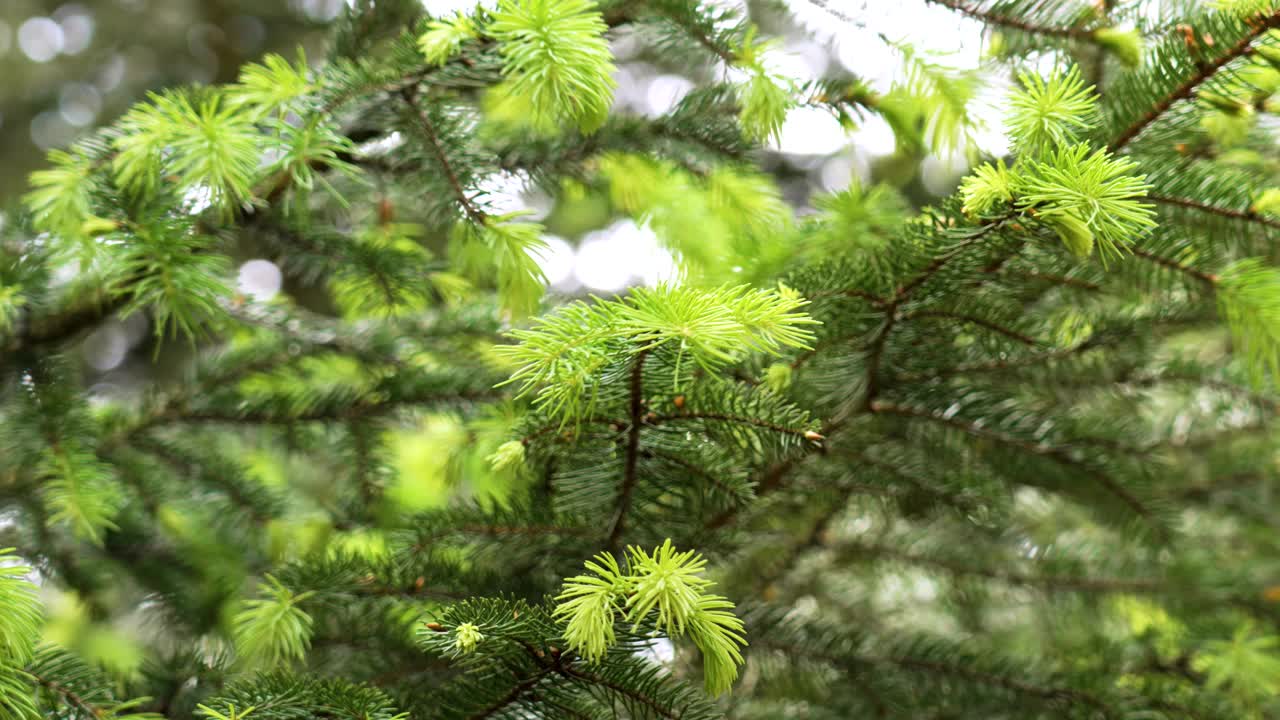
(443, 38)
(1087, 190)
(508, 457)
(715, 326)
(988, 188)
(79, 491)
(588, 606)
(11, 304)
(765, 97)
(665, 588)
(59, 199)
(1089, 198)
(557, 57)
(230, 713)
(778, 377)
(273, 630)
(765, 102)
(1249, 302)
(1124, 44)
(559, 359)
(1267, 202)
(1049, 113)
(468, 636)
(729, 217)
(20, 615)
(1248, 664)
(269, 86)
(506, 248)
(1243, 8)
(930, 104)
(183, 285)
(209, 142)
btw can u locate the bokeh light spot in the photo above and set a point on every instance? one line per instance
(41, 39)
(259, 279)
(556, 261)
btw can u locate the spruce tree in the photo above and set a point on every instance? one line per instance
(1007, 455)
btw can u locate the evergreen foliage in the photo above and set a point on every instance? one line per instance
(1008, 455)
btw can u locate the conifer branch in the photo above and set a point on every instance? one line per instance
(1187, 89)
(1059, 280)
(70, 696)
(363, 445)
(355, 411)
(815, 538)
(1047, 582)
(1070, 695)
(1242, 215)
(511, 697)
(991, 17)
(725, 417)
(551, 428)
(917, 484)
(1207, 278)
(1066, 397)
(691, 467)
(937, 667)
(773, 479)
(875, 350)
(1058, 454)
(851, 292)
(700, 37)
(433, 137)
(183, 466)
(621, 690)
(635, 400)
(938, 263)
(981, 322)
(61, 327)
(875, 354)
(1002, 364)
(777, 476)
